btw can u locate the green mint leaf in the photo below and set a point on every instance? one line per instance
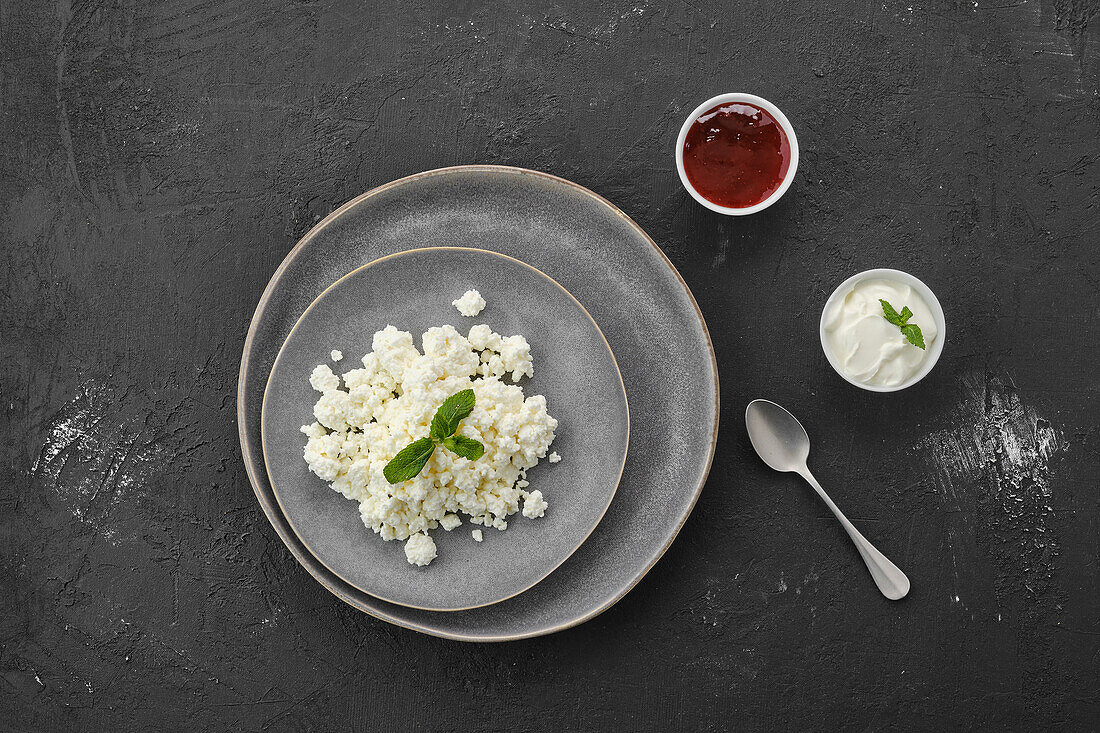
(463, 446)
(890, 314)
(453, 410)
(409, 461)
(912, 332)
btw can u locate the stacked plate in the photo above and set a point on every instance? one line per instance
(611, 324)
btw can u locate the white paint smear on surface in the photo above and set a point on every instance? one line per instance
(94, 457)
(997, 435)
(993, 465)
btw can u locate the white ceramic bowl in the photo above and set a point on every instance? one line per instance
(733, 99)
(925, 292)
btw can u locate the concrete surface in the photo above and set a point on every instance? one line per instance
(159, 160)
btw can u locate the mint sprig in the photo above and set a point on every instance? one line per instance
(410, 460)
(911, 331)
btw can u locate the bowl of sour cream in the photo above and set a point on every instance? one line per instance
(867, 334)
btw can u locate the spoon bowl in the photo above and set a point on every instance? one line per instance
(778, 437)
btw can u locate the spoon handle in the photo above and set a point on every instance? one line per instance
(889, 579)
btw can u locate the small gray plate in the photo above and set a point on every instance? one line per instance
(574, 369)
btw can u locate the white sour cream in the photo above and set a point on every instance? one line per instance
(868, 348)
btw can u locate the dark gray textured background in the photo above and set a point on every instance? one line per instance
(158, 162)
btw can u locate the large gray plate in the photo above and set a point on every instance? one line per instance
(624, 280)
(574, 369)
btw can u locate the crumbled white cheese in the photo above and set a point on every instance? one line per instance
(336, 355)
(500, 355)
(482, 337)
(390, 401)
(470, 304)
(553, 457)
(323, 380)
(515, 355)
(420, 549)
(534, 506)
(476, 534)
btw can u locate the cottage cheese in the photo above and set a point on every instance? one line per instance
(336, 355)
(476, 534)
(534, 506)
(554, 457)
(470, 304)
(363, 420)
(420, 549)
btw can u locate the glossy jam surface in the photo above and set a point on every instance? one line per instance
(736, 155)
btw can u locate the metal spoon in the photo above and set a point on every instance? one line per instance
(782, 442)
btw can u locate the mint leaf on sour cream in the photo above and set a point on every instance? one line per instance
(910, 331)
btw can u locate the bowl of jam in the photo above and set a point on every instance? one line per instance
(737, 154)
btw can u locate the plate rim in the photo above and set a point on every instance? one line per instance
(242, 417)
(395, 255)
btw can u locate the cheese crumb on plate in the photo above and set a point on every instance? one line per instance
(534, 506)
(420, 549)
(470, 304)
